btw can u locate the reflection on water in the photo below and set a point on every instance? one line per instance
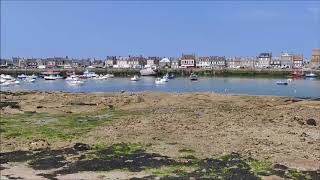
(256, 86)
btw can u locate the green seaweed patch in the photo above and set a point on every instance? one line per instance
(172, 170)
(261, 168)
(296, 175)
(120, 149)
(54, 127)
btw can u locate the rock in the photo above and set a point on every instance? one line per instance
(9, 110)
(311, 122)
(280, 166)
(81, 147)
(39, 144)
(122, 91)
(299, 120)
(110, 106)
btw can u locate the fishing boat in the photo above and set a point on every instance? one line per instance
(135, 78)
(148, 72)
(282, 83)
(310, 75)
(193, 77)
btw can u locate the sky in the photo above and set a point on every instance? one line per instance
(83, 29)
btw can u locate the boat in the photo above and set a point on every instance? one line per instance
(52, 77)
(22, 76)
(160, 81)
(168, 76)
(310, 75)
(2, 80)
(88, 74)
(72, 77)
(28, 79)
(76, 82)
(6, 77)
(109, 75)
(5, 83)
(148, 72)
(165, 78)
(33, 76)
(297, 74)
(135, 78)
(193, 77)
(282, 83)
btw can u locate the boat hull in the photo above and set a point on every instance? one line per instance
(148, 72)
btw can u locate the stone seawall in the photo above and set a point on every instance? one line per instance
(161, 72)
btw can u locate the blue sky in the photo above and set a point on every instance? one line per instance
(162, 28)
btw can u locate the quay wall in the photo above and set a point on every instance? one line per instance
(161, 72)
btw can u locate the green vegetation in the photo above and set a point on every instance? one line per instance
(55, 127)
(121, 149)
(172, 170)
(295, 175)
(261, 168)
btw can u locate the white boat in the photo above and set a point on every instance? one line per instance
(310, 75)
(72, 77)
(22, 76)
(2, 80)
(165, 79)
(193, 77)
(160, 81)
(5, 83)
(33, 76)
(7, 77)
(30, 79)
(135, 78)
(109, 75)
(76, 82)
(52, 77)
(147, 72)
(88, 74)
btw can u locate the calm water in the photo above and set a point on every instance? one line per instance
(306, 88)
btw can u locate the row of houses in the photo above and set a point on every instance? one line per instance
(263, 60)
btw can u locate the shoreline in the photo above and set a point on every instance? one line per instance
(271, 131)
(176, 72)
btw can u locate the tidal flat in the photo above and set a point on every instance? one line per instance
(156, 135)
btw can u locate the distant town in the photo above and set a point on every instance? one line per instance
(265, 60)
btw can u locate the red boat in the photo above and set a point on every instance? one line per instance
(297, 74)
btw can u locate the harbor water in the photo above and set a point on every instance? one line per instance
(301, 88)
